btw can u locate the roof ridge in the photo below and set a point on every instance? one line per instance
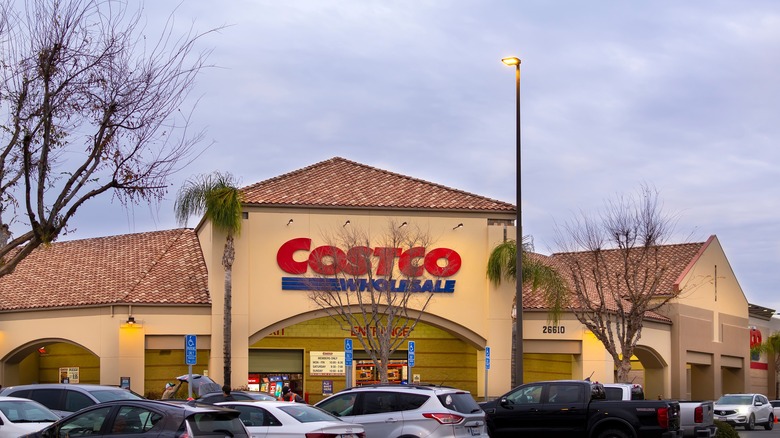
(338, 159)
(665, 245)
(155, 261)
(116, 236)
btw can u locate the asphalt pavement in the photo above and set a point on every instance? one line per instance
(759, 432)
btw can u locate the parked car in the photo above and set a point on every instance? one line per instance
(279, 418)
(775, 407)
(66, 398)
(152, 418)
(19, 416)
(745, 410)
(200, 385)
(697, 419)
(578, 408)
(216, 397)
(392, 411)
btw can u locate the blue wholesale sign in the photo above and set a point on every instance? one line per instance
(327, 387)
(190, 349)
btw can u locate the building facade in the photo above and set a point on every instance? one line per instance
(116, 309)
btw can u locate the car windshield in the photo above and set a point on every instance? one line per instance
(104, 395)
(307, 414)
(25, 411)
(735, 400)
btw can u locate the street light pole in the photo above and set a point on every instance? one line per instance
(518, 371)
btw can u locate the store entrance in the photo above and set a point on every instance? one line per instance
(367, 374)
(272, 369)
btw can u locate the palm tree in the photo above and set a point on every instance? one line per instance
(502, 265)
(216, 196)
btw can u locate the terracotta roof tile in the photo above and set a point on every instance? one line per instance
(338, 182)
(675, 258)
(164, 267)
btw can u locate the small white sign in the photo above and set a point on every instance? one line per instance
(326, 363)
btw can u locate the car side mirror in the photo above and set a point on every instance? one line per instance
(505, 401)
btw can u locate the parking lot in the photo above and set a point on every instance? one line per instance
(760, 432)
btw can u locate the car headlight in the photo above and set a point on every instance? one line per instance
(744, 410)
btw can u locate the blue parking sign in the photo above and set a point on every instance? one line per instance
(190, 349)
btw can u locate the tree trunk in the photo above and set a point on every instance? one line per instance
(624, 367)
(227, 329)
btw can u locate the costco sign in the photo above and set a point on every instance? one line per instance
(339, 264)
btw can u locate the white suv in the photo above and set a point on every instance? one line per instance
(395, 411)
(745, 410)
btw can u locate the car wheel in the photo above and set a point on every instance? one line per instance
(613, 433)
(771, 423)
(751, 423)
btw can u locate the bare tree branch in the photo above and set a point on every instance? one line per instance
(617, 270)
(89, 106)
(373, 288)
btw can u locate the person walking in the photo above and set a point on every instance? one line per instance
(289, 396)
(226, 393)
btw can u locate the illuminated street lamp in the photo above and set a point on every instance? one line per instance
(518, 371)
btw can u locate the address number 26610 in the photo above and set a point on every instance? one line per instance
(553, 329)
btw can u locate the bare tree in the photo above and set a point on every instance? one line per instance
(378, 288)
(617, 270)
(89, 106)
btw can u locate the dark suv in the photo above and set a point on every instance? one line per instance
(66, 398)
(155, 418)
(392, 411)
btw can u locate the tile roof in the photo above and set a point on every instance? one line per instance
(338, 182)
(676, 259)
(164, 267)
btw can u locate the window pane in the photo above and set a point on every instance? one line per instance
(88, 423)
(75, 401)
(378, 402)
(48, 397)
(339, 405)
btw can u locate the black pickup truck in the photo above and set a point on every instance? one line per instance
(578, 409)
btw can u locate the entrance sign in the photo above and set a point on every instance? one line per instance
(326, 363)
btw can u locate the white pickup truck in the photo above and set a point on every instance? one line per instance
(696, 417)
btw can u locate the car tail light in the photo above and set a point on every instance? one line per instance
(698, 415)
(445, 418)
(333, 435)
(663, 417)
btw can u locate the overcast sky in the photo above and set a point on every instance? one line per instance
(679, 95)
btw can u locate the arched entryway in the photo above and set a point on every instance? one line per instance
(51, 361)
(653, 370)
(293, 351)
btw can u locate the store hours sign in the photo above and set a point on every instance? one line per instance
(326, 363)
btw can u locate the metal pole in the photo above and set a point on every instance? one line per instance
(519, 225)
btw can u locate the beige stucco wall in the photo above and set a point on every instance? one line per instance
(710, 329)
(476, 311)
(101, 330)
